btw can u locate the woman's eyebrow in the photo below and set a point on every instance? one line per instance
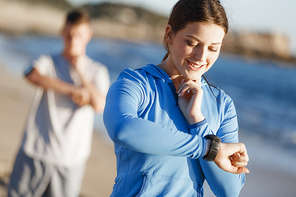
(198, 40)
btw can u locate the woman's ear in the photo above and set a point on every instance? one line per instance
(169, 34)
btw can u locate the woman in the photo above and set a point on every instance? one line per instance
(160, 117)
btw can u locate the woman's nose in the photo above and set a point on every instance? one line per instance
(200, 54)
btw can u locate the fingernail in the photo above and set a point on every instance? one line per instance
(179, 95)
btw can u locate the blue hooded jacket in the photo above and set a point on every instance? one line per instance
(157, 152)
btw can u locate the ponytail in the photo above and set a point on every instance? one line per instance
(166, 56)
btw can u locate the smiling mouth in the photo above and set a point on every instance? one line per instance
(196, 66)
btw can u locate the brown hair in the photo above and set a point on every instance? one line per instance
(186, 11)
(77, 17)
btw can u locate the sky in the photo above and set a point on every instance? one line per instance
(250, 15)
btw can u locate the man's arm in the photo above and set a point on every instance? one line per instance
(97, 100)
(57, 85)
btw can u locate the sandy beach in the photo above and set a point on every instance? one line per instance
(273, 169)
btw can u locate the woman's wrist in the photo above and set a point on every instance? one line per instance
(213, 146)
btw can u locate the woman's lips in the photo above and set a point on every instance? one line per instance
(195, 66)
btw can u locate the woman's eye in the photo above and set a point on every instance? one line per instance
(213, 50)
(190, 44)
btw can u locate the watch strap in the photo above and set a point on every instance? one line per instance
(213, 148)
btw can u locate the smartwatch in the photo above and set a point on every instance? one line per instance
(213, 147)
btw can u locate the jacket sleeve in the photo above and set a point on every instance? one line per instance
(126, 129)
(222, 183)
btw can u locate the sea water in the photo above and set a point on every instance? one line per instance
(264, 92)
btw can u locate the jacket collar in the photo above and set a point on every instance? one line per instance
(159, 73)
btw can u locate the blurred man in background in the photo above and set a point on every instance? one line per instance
(58, 133)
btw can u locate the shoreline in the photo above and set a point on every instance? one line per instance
(272, 62)
(23, 21)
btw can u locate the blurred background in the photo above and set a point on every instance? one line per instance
(257, 68)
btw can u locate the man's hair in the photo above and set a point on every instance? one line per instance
(76, 17)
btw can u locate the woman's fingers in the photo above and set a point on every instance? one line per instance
(184, 91)
(239, 160)
(180, 87)
(190, 98)
(232, 157)
(186, 86)
(239, 170)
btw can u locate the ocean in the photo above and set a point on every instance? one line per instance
(264, 92)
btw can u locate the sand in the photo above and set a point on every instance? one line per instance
(273, 169)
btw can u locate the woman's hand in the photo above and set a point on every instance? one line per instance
(232, 157)
(190, 96)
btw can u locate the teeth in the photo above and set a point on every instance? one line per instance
(196, 65)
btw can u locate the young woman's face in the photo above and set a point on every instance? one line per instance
(194, 49)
